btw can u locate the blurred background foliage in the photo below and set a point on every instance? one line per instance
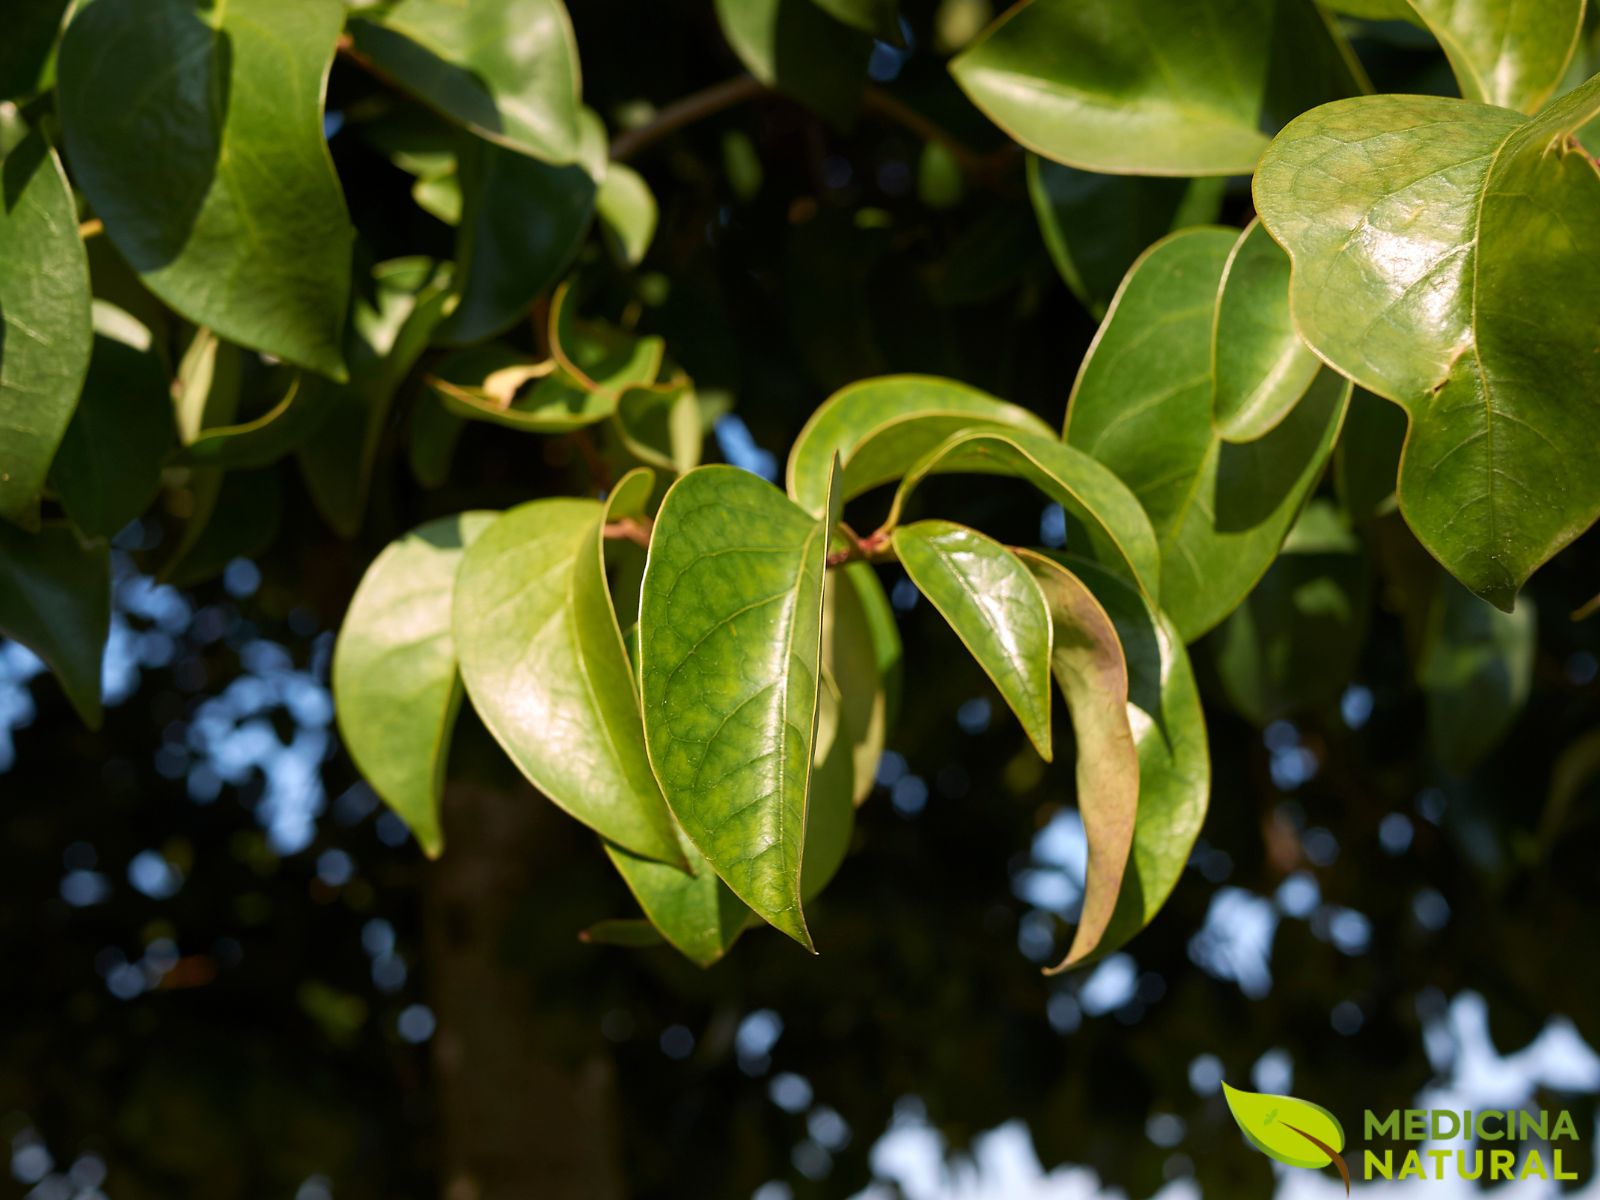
(220, 980)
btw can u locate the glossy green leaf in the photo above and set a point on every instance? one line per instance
(506, 69)
(627, 211)
(1096, 225)
(861, 652)
(45, 331)
(1169, 732)
(1101, 507)
(1505, 52)
(1260, 366)
(389, 329)
(1366, 461)
(995, 607)
(1155, 87)
(1292, 646)
(1286, 1129)
(57, 602)
(660, 424)
(830, 800)
(731, 624)
(32, 27)
(108, 468)
(395, 685)
(522, 222)
(797, 48)
(1142, 406)
(1373, 10)
(546, 670)
(1087, 662)
(1477, 669)
(211, 173)
(1443, 258)
(880, 427)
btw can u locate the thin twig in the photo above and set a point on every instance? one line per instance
(885, 104)
(631, 529)
(694, 107)
(89, 228)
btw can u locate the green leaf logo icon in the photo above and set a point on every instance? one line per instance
(1292, 1131)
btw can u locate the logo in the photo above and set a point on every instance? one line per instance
(1292, 1131)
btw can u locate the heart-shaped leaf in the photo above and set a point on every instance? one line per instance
(1096, 225)
(731, 622)
(44, 319)
(506, 69)
(1155, 87)
(880, 427)
(1087, 661)
(1142, 406)
(57, 602)
(395, 685)
(211, 174)
(1443, 256)
(1292, 646)
(1106, 512)
(1260, 367)
(1505, 52)
(995, 607)
(1169, 732)
(546, 670)
(1286, 1129)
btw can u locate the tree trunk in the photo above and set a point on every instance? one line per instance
(516, 1122)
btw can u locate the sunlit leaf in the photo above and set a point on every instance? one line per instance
(1443, 258)
(395, 685)
(1087, 662)
(211, 173)
(57, 602)
(861, 651)
(731, 625)
(45, 331)
(881, 427)
(1505, 52)
(627, 211)
(1142, 406)
(994, 605)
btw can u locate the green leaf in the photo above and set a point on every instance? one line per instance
(1443, 257)
(1087, 661)
(1373, 10)
(234, 514)
(861, 652)
(210, 172)
(1142, 406)
(395, 685)
(1155, 87)
(45, 331)
(546, 669)
(731, 625)
(389, 329)
(879, 18)
(995, 607)
(284, 427)
(830, 802)
(434, 433)
(1260, 366)
(210, 382)
(57, 602)
(1366, 461)
(1169, 732)
(660, 424)
(1278, 1127)
(1293, 644)
(108, 468)
(1095, 226)
(32, 27)
(506, 69)
(627, 211)
(1102, 508)
(1476, 667)
(1504, 52)
(795, 47)
(522, 222)
(880, 427)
